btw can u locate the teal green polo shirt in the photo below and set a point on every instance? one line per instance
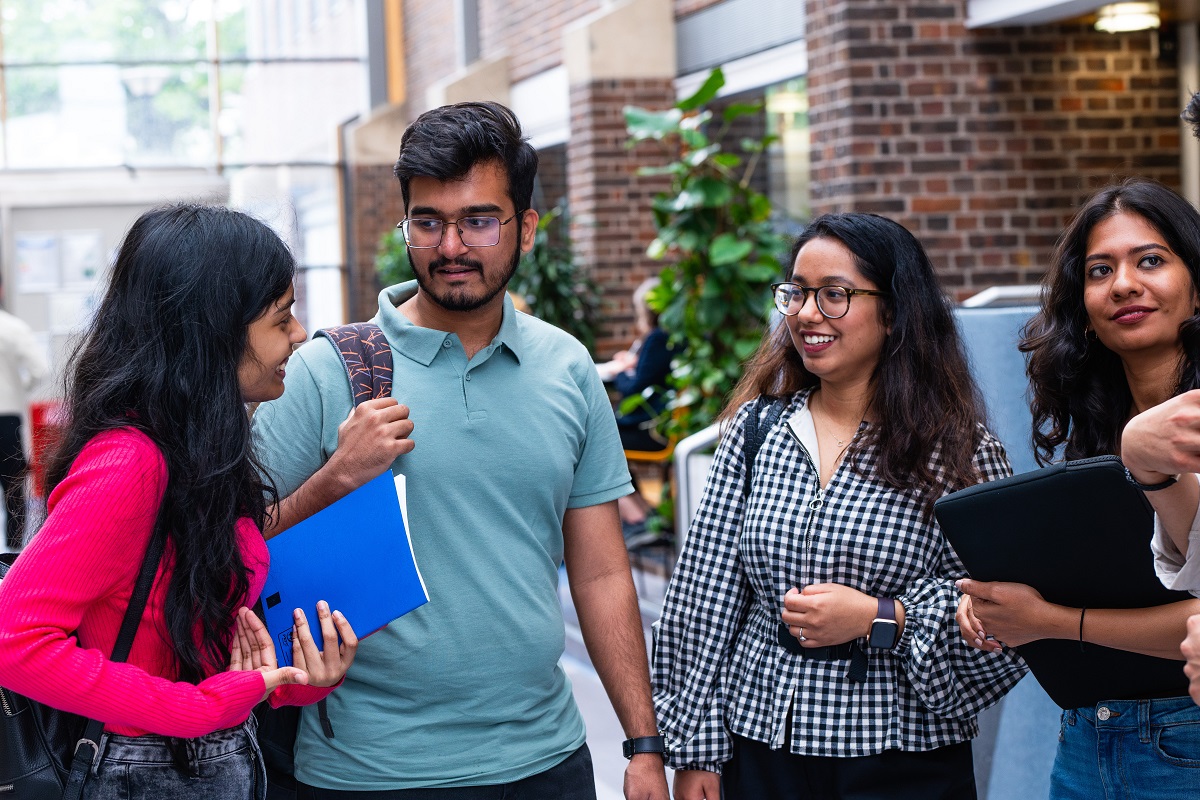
(468, 689)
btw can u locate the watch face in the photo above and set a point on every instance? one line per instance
(883, 634)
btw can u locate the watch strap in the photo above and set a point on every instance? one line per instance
(644, 744)
(887, 609)
(885, 629)
(1150, 487)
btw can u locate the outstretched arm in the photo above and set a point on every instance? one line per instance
(606, 601)
(1016, 614)
(1164, 441)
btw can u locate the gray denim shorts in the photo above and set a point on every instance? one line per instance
(224, 765)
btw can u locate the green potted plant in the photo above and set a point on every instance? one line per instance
(720, 248)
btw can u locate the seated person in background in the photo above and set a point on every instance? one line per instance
(640, 370)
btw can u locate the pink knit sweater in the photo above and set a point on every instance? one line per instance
(77, 575)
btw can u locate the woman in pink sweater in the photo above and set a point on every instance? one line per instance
(196, 322)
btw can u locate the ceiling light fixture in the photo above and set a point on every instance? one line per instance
(1126, 17)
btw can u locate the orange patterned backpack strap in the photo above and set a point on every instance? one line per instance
(367, 357)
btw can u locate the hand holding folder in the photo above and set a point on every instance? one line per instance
(355, 554)
(1078, 533)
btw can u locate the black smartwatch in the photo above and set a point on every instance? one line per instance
(644, 744)
(885, 631)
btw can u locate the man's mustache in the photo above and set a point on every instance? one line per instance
(469, 263)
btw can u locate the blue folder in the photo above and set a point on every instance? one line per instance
(354, 554)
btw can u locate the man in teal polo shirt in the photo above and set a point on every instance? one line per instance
(515, 469)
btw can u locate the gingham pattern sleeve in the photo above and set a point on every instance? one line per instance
(951, 678)
(704, 609)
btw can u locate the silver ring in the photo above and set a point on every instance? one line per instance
(800, 637)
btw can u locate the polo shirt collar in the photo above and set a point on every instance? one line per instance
(423, 344)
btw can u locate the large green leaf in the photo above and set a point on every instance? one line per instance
(707, 91)
(728, 249)
(698, 157)
(735, 110)
(674, 168)
(642, 123)
(760, 271)
(714, 191)
(690, 198)
(744, 348)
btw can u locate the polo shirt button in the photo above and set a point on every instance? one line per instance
(468, 376)
(1103, 713)
(445, 342)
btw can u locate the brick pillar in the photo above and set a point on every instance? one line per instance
(611, 218)
(375, 208)
(621, 55)
(984, 142)
(374, 201)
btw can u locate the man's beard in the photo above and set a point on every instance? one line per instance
(462, 299)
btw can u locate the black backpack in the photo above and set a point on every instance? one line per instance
(367, 357)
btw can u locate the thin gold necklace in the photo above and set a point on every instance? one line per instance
(841, 442)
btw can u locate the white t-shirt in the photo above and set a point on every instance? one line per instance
(1174, 569)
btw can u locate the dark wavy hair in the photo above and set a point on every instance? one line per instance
(446, 143)
(1080, 396)
(161, 355)
(924, 397)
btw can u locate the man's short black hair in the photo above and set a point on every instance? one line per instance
(1191, 114)
(447, 142)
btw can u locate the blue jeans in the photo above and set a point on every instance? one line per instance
(1128, 750)
(225, 765)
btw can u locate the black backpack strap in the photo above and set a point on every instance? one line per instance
(757, 425)
(367, 357)
(88, 746)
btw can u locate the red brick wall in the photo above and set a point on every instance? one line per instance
(551, 187)
(528, 31)
(981, 142)
(611, 220)
(376, 207)
(430, 47)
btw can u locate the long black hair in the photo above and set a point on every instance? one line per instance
(923, 396)
(1080, 395)
(161, 355)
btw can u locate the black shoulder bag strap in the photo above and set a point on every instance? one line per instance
(88, 747)
(754, 433)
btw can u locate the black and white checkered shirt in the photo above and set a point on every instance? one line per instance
(717, 665)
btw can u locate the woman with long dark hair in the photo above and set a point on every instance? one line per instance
(1118, 333)
(196, 321)
(807, 646)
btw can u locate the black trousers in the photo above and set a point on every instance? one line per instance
(756, 772)
(570, 780)
(12, 478)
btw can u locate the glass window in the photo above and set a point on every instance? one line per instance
(39, 31)
(272, 112)
(239, 87)
(788, 168)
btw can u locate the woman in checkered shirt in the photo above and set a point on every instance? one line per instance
(808, 646)
(1118, 333)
